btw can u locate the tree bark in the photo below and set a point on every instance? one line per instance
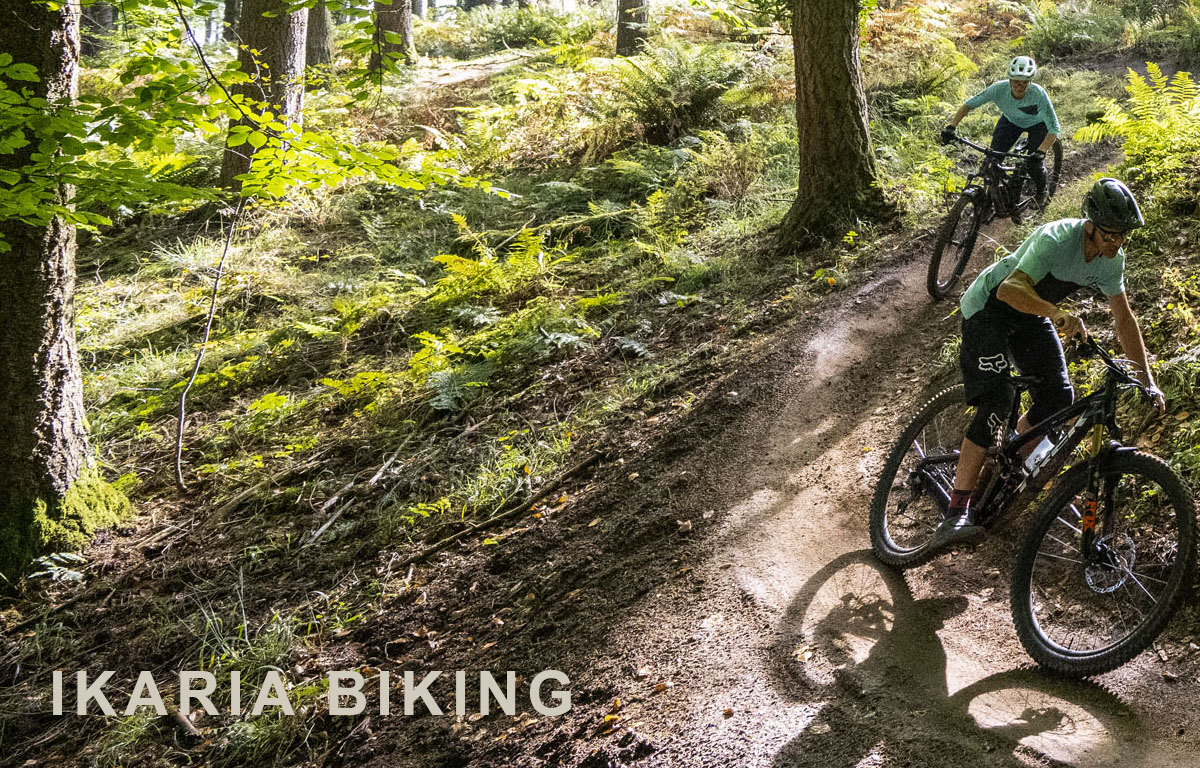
(278, 82)
(43, 439)
(96, 21)
(233, 12)
(396, 18)
(632, 17)
(420, 8)
(319, 48)
(837, 182)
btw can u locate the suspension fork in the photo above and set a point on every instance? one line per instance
(1092, 496)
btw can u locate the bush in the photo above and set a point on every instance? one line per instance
(909, 55)
(541, 122)
(633, 174)
(1161, 129)
(1072, 27)
(487, 29)
(1174, 35)
(674, 88)
(1145, 10)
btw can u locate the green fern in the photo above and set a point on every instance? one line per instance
(1160, 126)
(675, 88)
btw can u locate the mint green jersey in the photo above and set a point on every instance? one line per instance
(1053, 258)
(1033, 109)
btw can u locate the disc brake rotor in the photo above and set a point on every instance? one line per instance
(1116, 557)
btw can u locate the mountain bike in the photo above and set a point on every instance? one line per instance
(996, 189)
(1111, 549)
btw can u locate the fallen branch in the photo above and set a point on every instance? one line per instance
(337, 513)
(505, 513)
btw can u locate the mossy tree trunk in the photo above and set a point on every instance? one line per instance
(632, 17)
(837, 182)
(393, 35)
(278, 72)
(43, 441)
(319, 47)
(233, 12)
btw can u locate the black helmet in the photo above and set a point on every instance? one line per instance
(1110, 204)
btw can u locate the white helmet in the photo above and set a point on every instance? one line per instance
(1022, 68)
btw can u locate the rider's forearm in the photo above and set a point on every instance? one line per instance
(959, 115)
(1023, 298)
(1048, 142)
(1130, 336)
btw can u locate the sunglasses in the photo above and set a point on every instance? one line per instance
(1111, 236)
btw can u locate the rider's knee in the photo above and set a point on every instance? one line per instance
(991, 413)
(1050, 400)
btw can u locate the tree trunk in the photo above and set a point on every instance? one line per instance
(319, 48)
(44, 445)
(233, 12)
(397, 19)
(631, 26)
(420, 8)
(837, 181)
(279, 82)
(96, 21)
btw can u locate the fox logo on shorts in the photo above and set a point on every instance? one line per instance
(995, 423)
(996, 363)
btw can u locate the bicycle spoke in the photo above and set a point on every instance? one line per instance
(922, 480)
(1088, 606)
(1059, 557)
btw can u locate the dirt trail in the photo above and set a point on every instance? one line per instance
(782, 641)
(802, 651)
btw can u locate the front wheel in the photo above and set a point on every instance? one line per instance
(956, 240)
(1081, 616)
(917, 479)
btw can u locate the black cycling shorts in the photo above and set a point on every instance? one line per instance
(992, 342)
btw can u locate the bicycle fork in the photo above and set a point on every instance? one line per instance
(1093, 495)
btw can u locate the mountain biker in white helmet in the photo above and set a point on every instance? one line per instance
(1010, 316)
(1024, 108)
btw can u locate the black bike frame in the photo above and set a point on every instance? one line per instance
(996, 175)
(1095, 412)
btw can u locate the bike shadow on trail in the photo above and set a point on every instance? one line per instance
(856, 641)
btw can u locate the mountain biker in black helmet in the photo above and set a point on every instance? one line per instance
(1025, 108)
(1010, 315)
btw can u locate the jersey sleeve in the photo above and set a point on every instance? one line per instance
(1033, 255)
(981, 98)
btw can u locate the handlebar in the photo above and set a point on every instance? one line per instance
(1090, 348)
(988, 150)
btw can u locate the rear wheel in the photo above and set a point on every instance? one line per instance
(955, 242)
(917, 479)
(1054, 159)
(1078, 617)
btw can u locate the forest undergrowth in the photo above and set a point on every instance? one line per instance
(391, 366)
